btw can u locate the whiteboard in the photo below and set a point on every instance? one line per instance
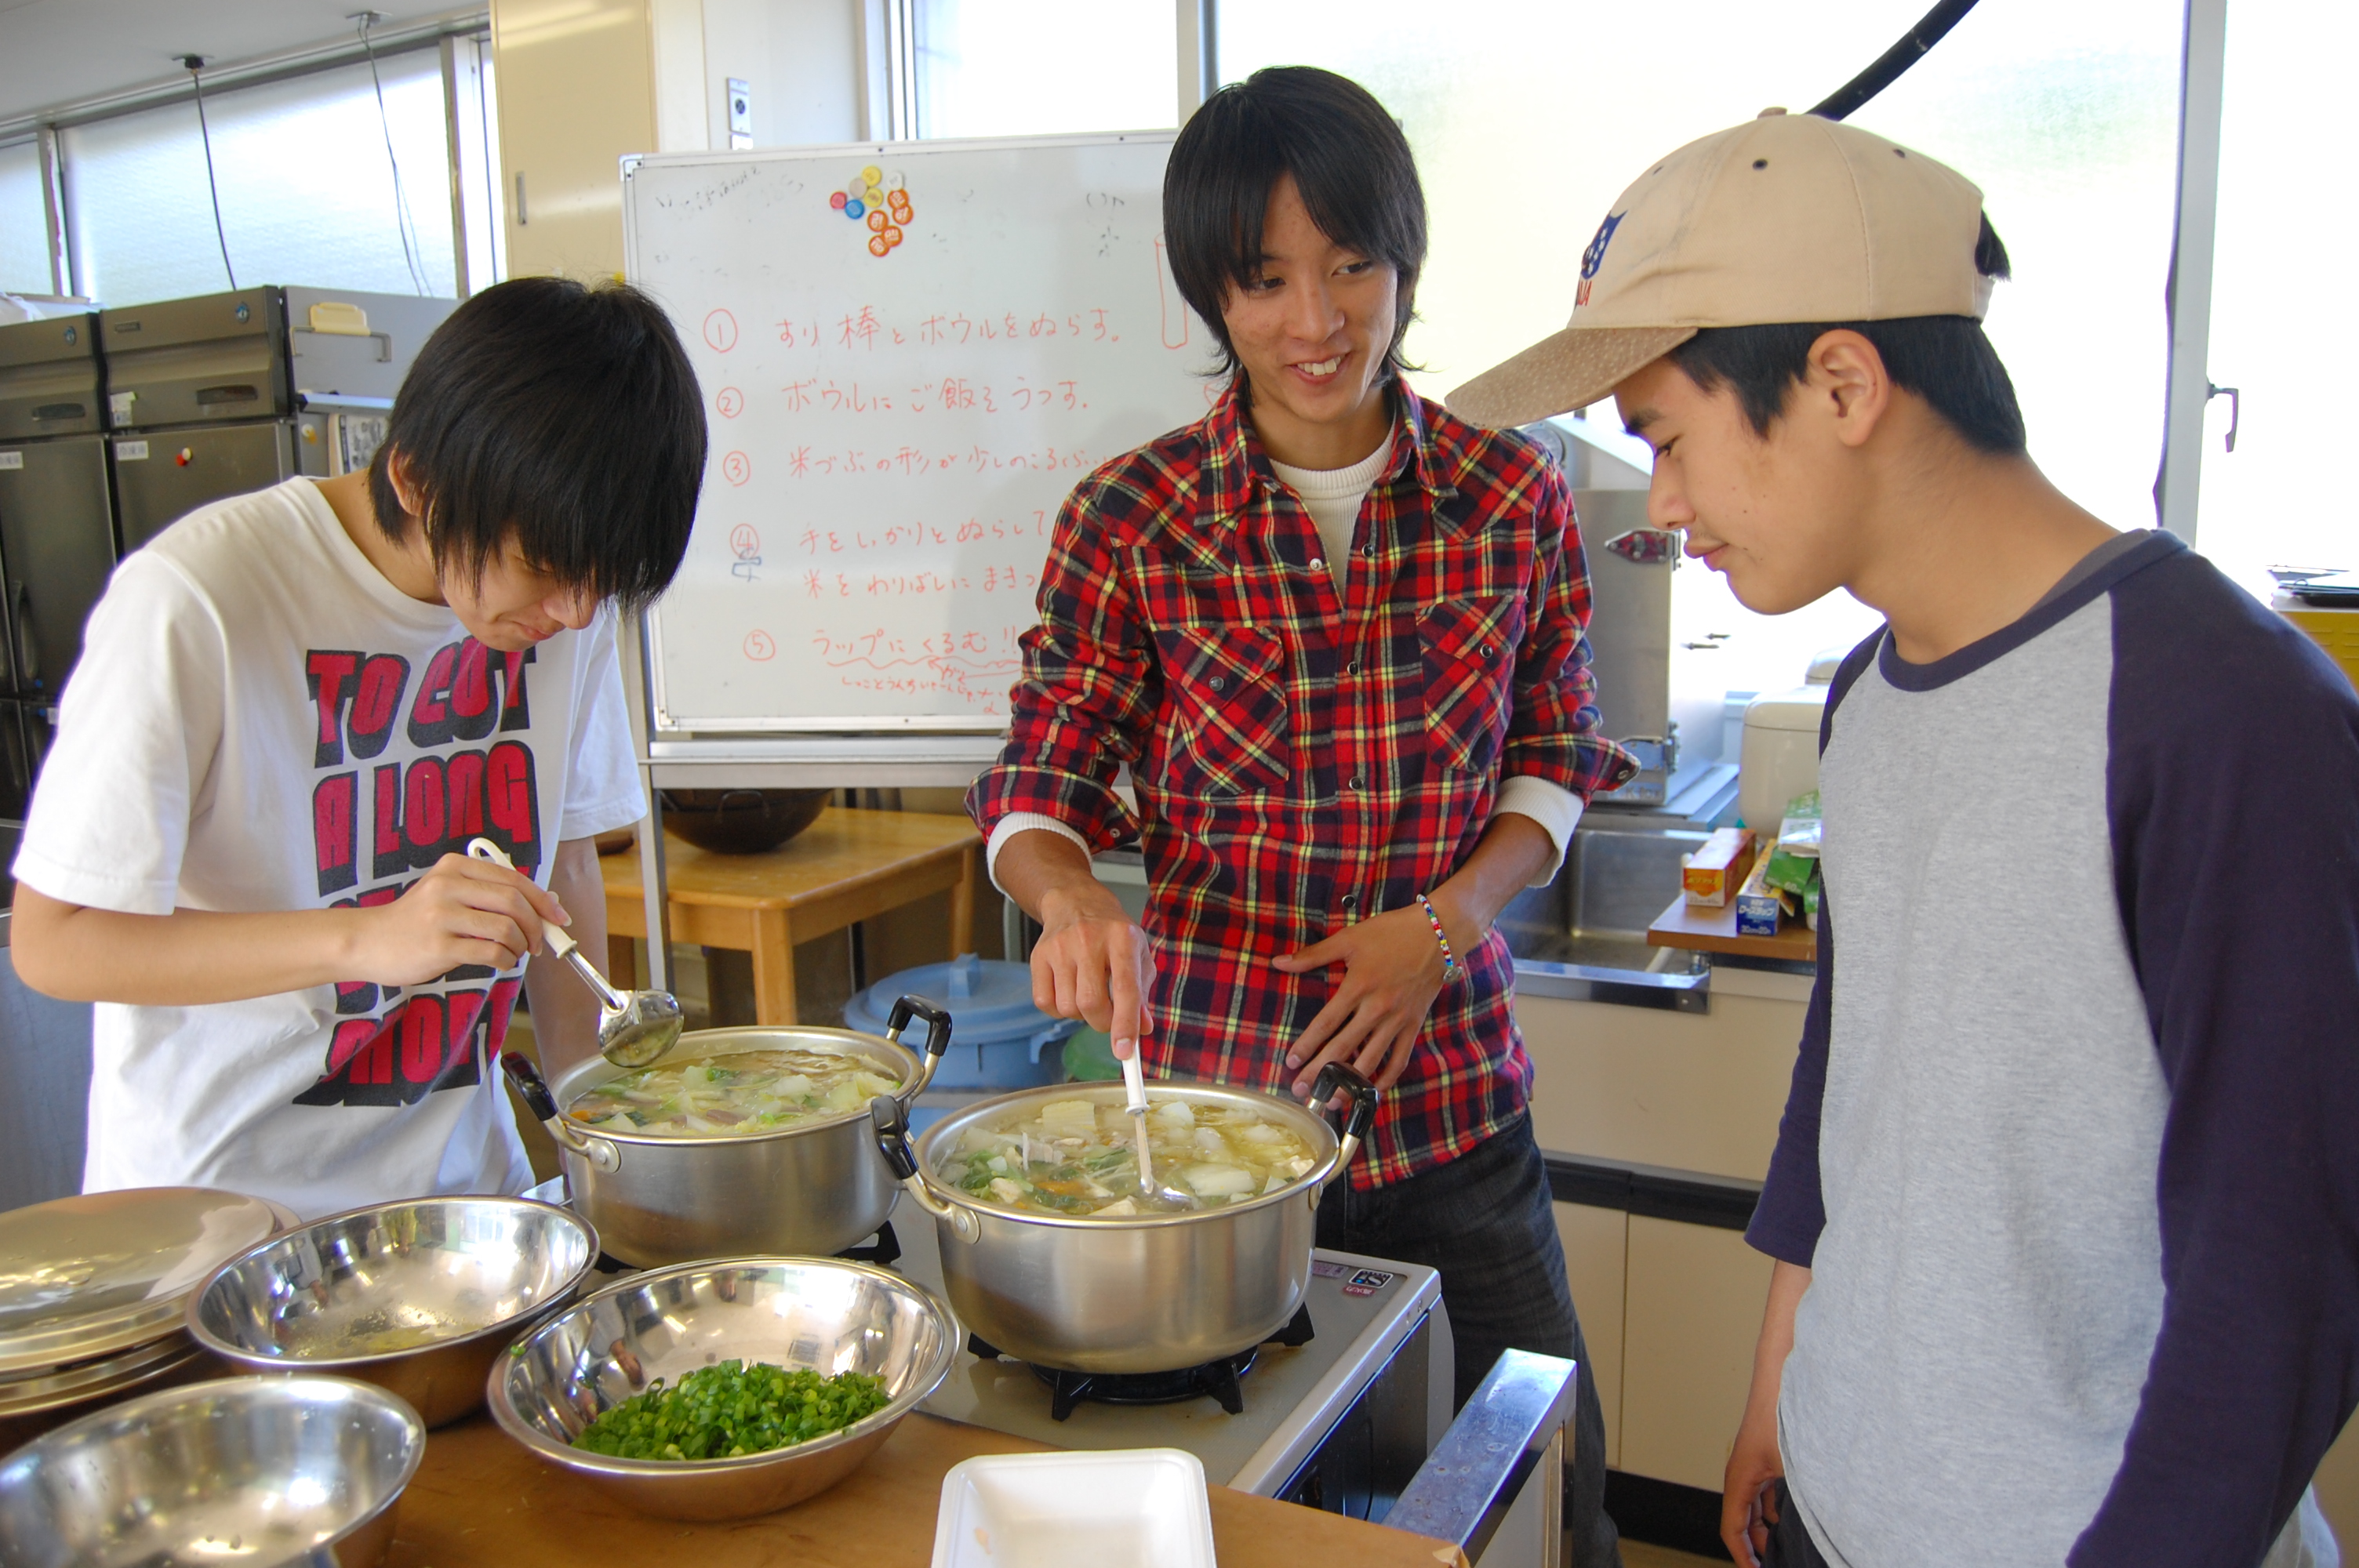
(892, 435)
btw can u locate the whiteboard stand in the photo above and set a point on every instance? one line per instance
(632, 648)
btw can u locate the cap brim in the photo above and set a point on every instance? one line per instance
(1573, 368)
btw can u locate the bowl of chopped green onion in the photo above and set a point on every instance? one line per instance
(725, 1389)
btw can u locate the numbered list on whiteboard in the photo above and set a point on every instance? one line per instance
(897, 421)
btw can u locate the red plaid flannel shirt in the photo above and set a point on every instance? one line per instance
(1302, 761)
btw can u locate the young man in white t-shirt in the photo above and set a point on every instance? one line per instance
(293, 711)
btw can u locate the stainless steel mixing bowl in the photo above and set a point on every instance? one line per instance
(251, 1470)
(817, 1312)
(419, 1298)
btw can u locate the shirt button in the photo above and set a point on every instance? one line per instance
(1350, 900)
(1488, 650)
(1353, 668)
(1218, 683)
(1357, 781)
(1317, 564)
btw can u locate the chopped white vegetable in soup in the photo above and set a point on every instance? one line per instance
(731, 1094)
(1076, 1157)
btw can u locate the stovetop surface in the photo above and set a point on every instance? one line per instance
(1362, 1309)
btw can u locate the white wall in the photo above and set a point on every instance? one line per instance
(802, 60)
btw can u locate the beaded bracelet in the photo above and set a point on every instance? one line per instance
(1449, 959)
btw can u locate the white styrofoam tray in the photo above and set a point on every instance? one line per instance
(1123, 1507)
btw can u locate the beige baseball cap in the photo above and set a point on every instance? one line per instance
(1784, 218)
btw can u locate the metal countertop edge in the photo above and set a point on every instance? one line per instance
(1283, 1451)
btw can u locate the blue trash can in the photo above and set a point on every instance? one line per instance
(999, 1041)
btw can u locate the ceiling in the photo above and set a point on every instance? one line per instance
(58, 52)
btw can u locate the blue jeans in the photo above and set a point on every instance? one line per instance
(1483, 1220)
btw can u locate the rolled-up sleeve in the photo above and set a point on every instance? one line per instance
(1081, 706)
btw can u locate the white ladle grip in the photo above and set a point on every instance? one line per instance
(560, 942)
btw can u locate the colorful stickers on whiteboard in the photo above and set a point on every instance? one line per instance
(879, 201)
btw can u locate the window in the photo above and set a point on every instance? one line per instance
(307, 194)
(24, 221)
(2282, 332)
(1530, 116)
(1010, 68)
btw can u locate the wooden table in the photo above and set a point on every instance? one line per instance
(1707, 930)
(480, 1500)
(845, 867)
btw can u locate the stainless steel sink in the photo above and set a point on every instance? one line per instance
(1584, 936)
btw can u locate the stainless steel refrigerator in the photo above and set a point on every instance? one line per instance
(57, 533)
(229, 392)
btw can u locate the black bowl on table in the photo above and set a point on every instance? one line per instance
(741, 821)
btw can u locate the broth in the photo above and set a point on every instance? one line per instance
(731, 1094)
(1075, 1157)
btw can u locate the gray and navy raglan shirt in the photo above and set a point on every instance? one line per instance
(2073, 1149)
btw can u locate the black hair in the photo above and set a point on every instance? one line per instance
(560, 419)
(1349, 161)
(1948, 360)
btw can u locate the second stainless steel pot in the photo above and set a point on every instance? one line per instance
(808, 1190)
(1149, 1293)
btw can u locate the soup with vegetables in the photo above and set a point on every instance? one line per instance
(731, 1094)
(1077, 1157)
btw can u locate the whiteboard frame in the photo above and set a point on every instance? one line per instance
(826, 746)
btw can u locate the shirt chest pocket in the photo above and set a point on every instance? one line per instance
(1469, 646)
(1225, 688)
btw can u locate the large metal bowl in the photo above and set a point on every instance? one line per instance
(817, 1312)
(250, 1470)
(419, 1298)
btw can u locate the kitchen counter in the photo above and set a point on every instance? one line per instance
(479, 1499)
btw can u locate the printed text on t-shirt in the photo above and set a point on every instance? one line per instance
(418, 808)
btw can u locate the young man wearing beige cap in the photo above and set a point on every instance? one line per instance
(2065, 1203)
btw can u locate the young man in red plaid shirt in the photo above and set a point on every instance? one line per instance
(1336, 636)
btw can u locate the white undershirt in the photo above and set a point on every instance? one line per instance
(1334, 498)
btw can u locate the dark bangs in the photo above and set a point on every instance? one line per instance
(1348, 159)
(559, 418)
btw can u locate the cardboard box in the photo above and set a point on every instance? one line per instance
(1712, 875)
(1760, 906)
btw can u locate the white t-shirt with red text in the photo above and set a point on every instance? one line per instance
(261, 721)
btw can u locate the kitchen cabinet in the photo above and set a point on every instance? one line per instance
(581, 84)
(1692, 1091)
(1596, 1249)
(1670, 1309)
(1693, 1313)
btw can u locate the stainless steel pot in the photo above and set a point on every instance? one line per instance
(1147, 1294)
(811, 1189)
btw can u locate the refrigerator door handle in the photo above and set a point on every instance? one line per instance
(28, 651)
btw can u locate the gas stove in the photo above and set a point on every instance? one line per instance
(1339, 1419)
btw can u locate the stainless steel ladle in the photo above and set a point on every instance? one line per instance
(635, 1028)
(1152, 1195)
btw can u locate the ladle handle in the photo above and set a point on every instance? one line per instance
(560, 942)
(891, 1121)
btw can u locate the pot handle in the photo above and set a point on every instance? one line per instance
(892, 1124)
(1336, 1077)
(534, 1089)
(938, 1039)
